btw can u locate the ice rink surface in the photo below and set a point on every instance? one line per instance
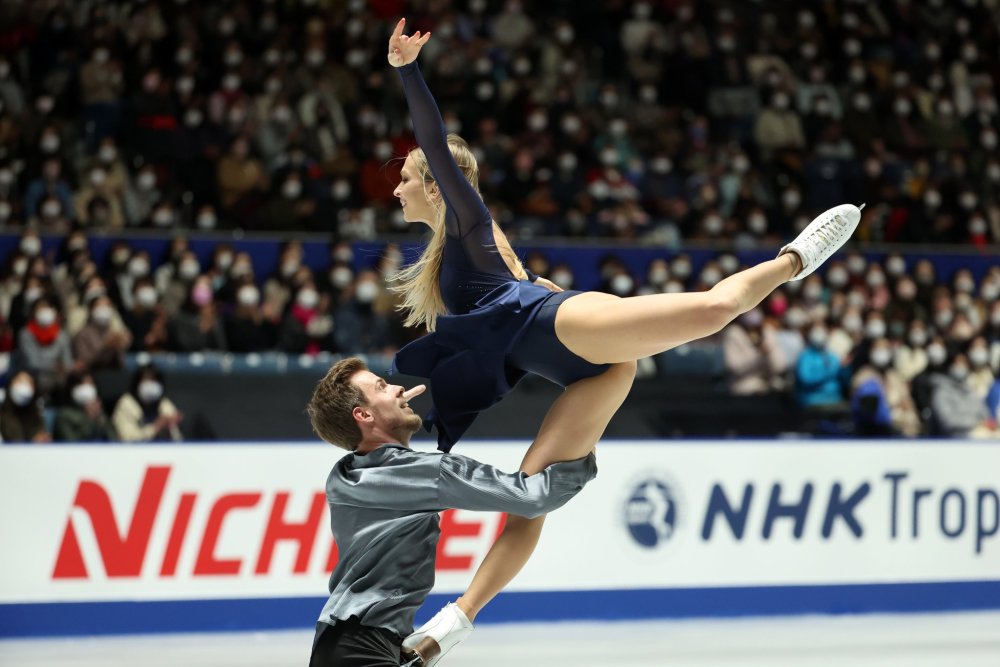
(910, 640)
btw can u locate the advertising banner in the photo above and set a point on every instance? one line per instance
(667, 528)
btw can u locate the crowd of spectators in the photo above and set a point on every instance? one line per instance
(676, 122)
(672, 120)
(902, 350)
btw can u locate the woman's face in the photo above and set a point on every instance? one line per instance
(410, 192)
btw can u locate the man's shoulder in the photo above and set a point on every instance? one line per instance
(352, 466)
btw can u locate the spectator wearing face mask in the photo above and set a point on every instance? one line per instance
(146, 320)
(361, 319)
(289, 208)
(910, 356)
(137, 267)
(98, 346)
(52, 188)
(278, 288)
(308, 324)
(980, 375)
(846, 337)
(956, 410)
(21, 413)
(144, 413)
(82, 418)
(95, 187)
(175, 292)
(198, 325)
(44, 347)
(78, 314)
(778, 126)
(818, 373)
(15, 268)
(33, 288)
(755, 363)
(870, 403)
(240, 176)
(218, 272)
(248, 329)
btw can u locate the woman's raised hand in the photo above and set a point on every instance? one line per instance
(403, 49)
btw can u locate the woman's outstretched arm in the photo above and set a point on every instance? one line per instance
(466, 205)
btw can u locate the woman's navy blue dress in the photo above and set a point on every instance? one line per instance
(497, 328)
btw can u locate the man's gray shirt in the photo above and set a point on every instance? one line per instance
(384, 513)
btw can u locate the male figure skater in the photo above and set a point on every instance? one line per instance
(384, 501)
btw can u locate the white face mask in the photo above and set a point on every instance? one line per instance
(46, 316)
(710, 277)
(150, 391)
(206, 220)
(562, 278)
(918, 338)
(979, 356)
(84, 394)
(248, 296)
(146, 296)
(837, 277)
(959, 373)
(31, 246)
(658, 276)
(138, 267)
(308, 298)
(881, 357)
(366, 292)
(875, 329)
(102, 315)
(341, 277)
(21, 393)
(936, 354)
(818, 337)
(621, 285)
(189, 269)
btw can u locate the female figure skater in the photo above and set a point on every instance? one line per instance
(489, 326)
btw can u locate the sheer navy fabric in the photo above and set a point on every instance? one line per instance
(497, 328)
(472, 265)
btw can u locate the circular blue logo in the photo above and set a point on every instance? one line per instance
(651, 513)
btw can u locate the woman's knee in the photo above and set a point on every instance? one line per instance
(623, 372)
(720, 308)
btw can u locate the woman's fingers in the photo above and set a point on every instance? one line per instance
(414, 391)
(399, 29)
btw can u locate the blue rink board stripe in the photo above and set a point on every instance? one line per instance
(96, 618)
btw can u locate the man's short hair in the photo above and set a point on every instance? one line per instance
(331, 408)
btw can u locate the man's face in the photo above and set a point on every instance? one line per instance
(387, 406)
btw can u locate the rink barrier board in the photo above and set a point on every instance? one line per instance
(106, 618)
(111, 539)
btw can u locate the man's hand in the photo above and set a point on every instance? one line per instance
(404, 49)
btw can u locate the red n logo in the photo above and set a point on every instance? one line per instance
(123, 555)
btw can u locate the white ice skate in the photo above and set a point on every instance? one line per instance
(823, 237)
(436, 637)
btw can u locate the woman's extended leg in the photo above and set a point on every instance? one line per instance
(571, 429)
(602, 328)
(605, 329)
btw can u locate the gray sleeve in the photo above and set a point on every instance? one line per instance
(468, 484)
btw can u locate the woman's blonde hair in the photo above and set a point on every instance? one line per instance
(419, 283)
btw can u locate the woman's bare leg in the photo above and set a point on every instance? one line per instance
(603, 328)
(571, 429)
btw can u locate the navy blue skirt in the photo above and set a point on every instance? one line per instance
(474, 360)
